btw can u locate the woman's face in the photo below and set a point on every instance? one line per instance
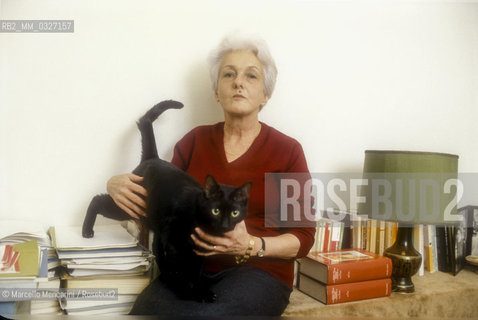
(240, 87)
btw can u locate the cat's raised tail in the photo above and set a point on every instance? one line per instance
(145, 126)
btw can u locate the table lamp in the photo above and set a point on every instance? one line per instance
(409, 188)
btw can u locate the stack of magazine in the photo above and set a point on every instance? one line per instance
(28, 264)
(103, 274)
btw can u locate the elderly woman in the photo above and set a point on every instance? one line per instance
(252, 267)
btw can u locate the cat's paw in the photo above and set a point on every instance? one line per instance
(88, 233)
(206, 296)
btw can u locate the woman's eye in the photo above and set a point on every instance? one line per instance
(228, 74)
(235, 213)
(216, 211)
(252, 76)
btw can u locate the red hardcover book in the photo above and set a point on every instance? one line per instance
(331, 294)
(345, 266)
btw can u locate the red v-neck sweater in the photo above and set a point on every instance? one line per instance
(201, 152)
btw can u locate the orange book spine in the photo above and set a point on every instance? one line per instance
(326, 238)
(358, 291)
(359, 271)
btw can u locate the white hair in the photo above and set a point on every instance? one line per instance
(235, 42)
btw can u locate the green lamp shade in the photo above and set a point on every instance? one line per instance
(410, 187)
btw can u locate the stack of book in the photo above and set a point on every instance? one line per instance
(443, 247)
(344, 275)
(110, 262)
(28, 265)
(47, 306)
(19, 269)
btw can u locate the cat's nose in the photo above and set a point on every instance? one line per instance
(226, 224)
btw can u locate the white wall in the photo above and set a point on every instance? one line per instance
(352, 76)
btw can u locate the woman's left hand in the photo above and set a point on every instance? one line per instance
(234, 242)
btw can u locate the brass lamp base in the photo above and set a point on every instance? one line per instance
(405, 260)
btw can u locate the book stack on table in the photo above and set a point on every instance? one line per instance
(103, 274)
(28, 265)
(344, 275)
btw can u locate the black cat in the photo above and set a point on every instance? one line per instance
(176, 204)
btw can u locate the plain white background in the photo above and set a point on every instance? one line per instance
(353, 75)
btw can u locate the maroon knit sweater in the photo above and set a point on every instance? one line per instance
(201, 152)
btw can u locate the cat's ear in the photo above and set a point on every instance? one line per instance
(242, 193)
(211, 188)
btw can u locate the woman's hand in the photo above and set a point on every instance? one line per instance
(234, 242)
(126, 193)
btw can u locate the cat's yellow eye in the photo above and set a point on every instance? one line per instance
(235, 213)
(216, 211)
